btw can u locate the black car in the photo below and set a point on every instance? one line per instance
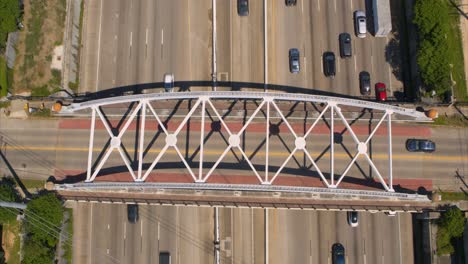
(132, 213)
(164, 258)
(243, 7)
(329, 67)
(345, 45)
(294, 66)
(338, 254)
(420, 145)
(364, 83)
(291, 2)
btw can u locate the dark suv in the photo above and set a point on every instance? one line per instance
(329, 67)
(364, 83)
(132, 213)
(243, 7)
(294, 66)
(345, 45)
(420, 145)
(338, 254)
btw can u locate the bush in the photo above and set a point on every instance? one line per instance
(451, 225)
(8, 193)
(41, 91)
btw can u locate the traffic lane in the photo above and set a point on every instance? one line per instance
(248, 235)
(224, 17)
(318, 29)
(81, 231)
(100, 235)
(287, 25)
(225, 234)
(197, 235)
(247, 44)
(200, 49)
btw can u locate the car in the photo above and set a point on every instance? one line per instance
(243, 7)
(360, 23)
(329, 64)
(338, 254)
(380, 92)
(291, 2)
(345, 45)
(353, 218)
(420, 145)
(364, 83)
(132, 213)
(169, 82)
(294, 65)
(164, 257)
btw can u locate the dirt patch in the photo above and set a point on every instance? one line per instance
(10, 242)
(43, 31)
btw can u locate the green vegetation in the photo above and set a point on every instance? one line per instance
(440, 49)
(68, 246)
(454, 196)
(40, 91)
(5, 104)
(9, 15)
(33, 185)
(42, 113)
(40, 242)
(453, 120)
(451, 225)
(8, 193)
(3, 77)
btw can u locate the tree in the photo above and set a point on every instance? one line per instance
(36, 253)
(45, 207)
(453, 221)
(8, 193)
(9, 16)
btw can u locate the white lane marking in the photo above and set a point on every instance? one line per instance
(146, 37)
(390, 80)
(351, 3)
(399, 236)
(355, 64)
(99, 47)
(107, 251)
(108, 226)
(302, 6)
(372, 63)
(91, 232)
(305, 64)
(158, 229)
(338, 66)
(141, 229)
(318, 5)
(131, 38)
(115, 37)
(162, 36)
(335, 5)
(125, 230)
(321, 68)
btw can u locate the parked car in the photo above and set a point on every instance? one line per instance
(329, 65)
(164, 258)
(291, 2)
(360, 23)
(364, 83)
(353, 218)
(420, 145)
(243, 7)
(380, 92)
(132, 213)
(338, 254)
(294, 65)
(169, 82)
(345, 45)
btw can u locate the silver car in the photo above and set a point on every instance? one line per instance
(360, 24)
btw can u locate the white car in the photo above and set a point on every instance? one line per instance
(169, 82)
(353, 218)
(360, 24)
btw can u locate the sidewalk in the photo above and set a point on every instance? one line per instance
(464, 32)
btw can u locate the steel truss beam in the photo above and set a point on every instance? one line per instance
(204, 101)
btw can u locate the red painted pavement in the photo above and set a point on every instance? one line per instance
(397, 130)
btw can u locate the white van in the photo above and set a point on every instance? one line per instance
(360, 24)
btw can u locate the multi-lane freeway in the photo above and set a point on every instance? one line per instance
(246, 235)
(135, 42)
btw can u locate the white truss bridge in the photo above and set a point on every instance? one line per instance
(332, 110)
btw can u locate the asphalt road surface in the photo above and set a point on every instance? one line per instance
(102, 234)
(134, 42)
(42, 148)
